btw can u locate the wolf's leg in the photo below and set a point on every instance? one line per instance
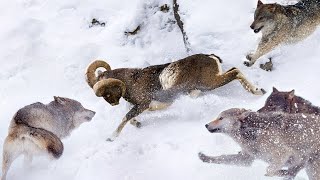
(279, 162)
(27, 159)
(134, 112)
(265, 46)
(11, 150)
(292, 171)
(234, 74)
(313, 169)
(240, 159)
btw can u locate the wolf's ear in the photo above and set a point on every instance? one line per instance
(259, 3)
(244, 114)
(59, 100)
(272, 8)
(291, 94)
(275, 90)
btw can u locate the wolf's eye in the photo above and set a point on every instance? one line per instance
(220, 118)
(261, 18)
(108, 95)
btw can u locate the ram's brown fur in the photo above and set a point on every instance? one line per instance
(161, 83)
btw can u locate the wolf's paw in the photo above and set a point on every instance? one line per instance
(268, 66)
(110, 139)
(204, 158)
(248, 63)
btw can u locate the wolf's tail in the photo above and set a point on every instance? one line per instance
(45, 140)
(19, 134)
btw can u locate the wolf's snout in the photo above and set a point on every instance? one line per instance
(92, 113)
(252, 26)
(207, 125)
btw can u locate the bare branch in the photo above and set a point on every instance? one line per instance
(180, 24)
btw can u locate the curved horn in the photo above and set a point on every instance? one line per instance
(100, 86)
(91, 70)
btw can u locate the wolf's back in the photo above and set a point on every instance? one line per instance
(308, 2)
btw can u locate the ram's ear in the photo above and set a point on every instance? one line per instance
(59, 100)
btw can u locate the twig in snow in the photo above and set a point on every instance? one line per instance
(180, 24)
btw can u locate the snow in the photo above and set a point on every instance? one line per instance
(46, 46)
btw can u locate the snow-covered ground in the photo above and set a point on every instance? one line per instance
(45, 46)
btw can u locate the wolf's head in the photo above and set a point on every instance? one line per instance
(264, 17)
(278, 101)
(74, 110)
(228, 121)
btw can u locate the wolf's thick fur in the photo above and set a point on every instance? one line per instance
(281, 139)
(37, 129)
(283, 24)
(288, 102)
(155, 87)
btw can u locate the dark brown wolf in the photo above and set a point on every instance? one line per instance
(288, 102)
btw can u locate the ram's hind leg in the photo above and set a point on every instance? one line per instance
(157, 105)
(195, 93)
(234, 74)
(135, 123)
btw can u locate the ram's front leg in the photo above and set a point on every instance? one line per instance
(240, 159)
(134, 112)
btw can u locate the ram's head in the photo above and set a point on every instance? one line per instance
(109, 88)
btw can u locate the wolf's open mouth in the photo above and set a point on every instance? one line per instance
(258, 30)
(214, 130)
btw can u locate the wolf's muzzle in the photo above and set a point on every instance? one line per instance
(212, 130)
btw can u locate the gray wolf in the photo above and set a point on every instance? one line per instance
(283, 24)
(288, 102)
(280, 139)
(37, 129)
(155, 87)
